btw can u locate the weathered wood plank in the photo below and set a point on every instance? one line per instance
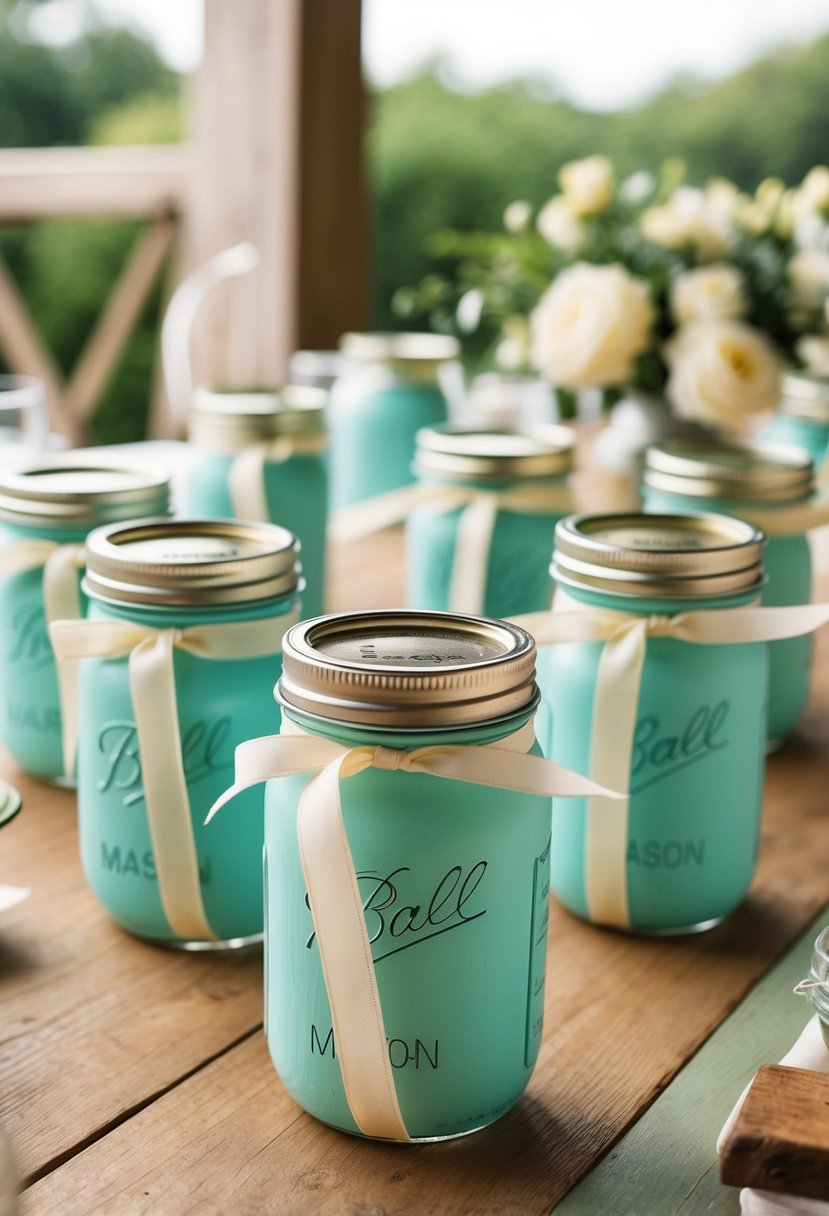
(669, 1158)
(25, 352)
(50, 183)
(94, 1022)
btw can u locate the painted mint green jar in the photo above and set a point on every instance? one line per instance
(390, 390)
(803, 417)
(261, 456)
(182, 649)
(681, 853)
(46, 510)
(452, 877)
(481, 541)
(757, 483)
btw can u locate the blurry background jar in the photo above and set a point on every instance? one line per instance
(261, 457)
(46, 510)
(391, 389)
(483, 545)
(749, 480)
(509, 399)
(317, 368)
(803, 416)
(685, 854)
(817, 985)
(185, 620)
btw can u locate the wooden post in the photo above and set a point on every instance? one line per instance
(333, 227)
(245, 186)
(278, 151)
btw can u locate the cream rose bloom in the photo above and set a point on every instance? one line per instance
(588, 328)
(722, 371)
(813, 352)
(559, 227)
(712, 293)
(587, 184)
(689, 218)
(808, 274)
(517, 216)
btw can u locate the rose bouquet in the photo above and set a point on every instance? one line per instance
(699, 296)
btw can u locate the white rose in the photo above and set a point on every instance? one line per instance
(689, 218)
(813, 192)
(559, 227)
(517, 216)
(587, 184)
(808, 274)
(722, 371)
(813, 352)
(588, 328)
(721, 195)
(711, 293)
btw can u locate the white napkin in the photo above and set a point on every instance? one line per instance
(809, 1052)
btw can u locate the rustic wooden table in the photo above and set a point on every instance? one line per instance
(136, 1079)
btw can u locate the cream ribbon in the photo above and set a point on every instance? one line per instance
(153, 693)
(625, 637)
(331, 880)
(246, 476)
(61, 594)
(479, 511)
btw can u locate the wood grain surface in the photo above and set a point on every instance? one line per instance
(623, 1015)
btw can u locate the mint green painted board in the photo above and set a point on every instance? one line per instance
(667, 1162)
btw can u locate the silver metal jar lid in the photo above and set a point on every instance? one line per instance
(415, 356)
(455, 452)
(194, 563)
(407, 669)
(78, 491)
(805, 395)
(670, 556)
(228, 420)
(757, 472)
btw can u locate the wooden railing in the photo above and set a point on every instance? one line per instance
(71, 183)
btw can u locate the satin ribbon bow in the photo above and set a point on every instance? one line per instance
(61, 593)
(625, 638)
(246, 476)
(331, 881)
(473, 541)
(153, 693)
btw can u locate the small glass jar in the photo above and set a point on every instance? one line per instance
(389, 391)
(454, 875)
(261, 456)
(318, 368)
(803, 417)
(689, 847)
(527, 469)
(742, 480)
(56, 502)
(164, 576)
(819, 975)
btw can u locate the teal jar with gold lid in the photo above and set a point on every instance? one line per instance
(768, 485)
(803, 414)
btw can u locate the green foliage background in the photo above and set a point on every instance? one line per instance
(438, 159)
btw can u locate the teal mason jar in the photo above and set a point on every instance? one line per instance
(482, 542)
(260, 455)
(180, 653)
(46, 509)
(389, 391)
(452, 876)
(757, 483)
(689, 739)
(803, 415)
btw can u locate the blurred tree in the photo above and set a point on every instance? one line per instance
(443, 159)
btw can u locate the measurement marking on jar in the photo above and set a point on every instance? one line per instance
(540, 917)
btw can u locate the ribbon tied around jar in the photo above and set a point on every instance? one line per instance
(479, 510)
(246, 476)
(624, 637)
(153, 693)
(331, 881)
